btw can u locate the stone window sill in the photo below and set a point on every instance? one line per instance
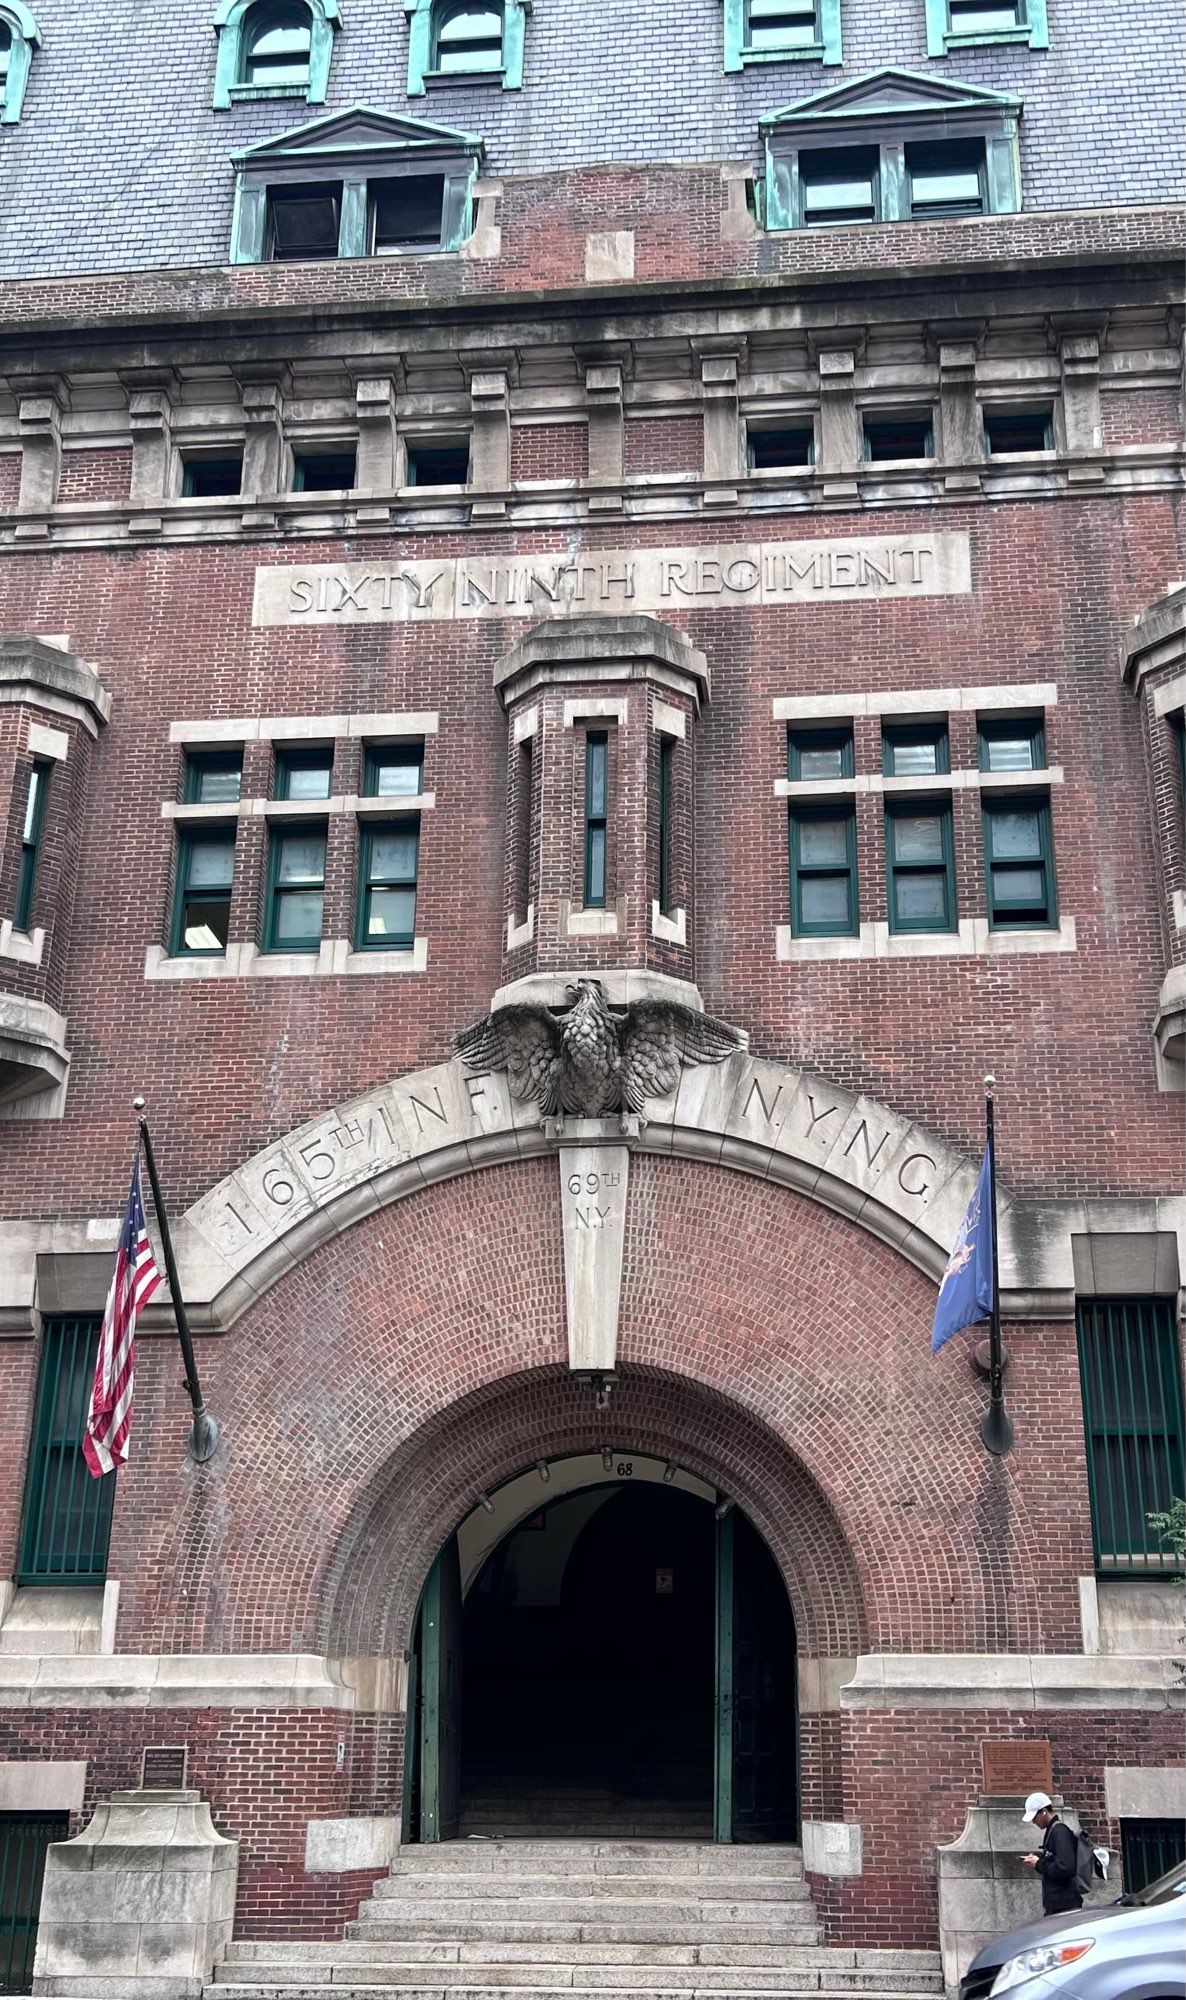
(23, 947)
(670, 928)
(256, 93)
(591, 923)
(972, 939)
(245, 961)
(936, 781)
(919, 703)
(816, 52)
(520, 934)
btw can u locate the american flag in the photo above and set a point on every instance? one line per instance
(136, 1278)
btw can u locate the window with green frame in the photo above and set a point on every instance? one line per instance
(213, 777)
(666, 786)
(823, 853)
(1019, 860)
(19, 36)
(302, 774)
(946, 177)
(963, 24)
(764, 31)
(596, 817)
(915, 750)
(32, 833)
(295, 904)
(67, 1516)
(273, 48)
(920, 865)
(388, 864)
(1012, 743)
(1133, 1425)
(820, 753)
(394, 770)
(202, 899)
(1149, 1848)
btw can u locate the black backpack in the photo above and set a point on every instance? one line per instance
(1085, 1863)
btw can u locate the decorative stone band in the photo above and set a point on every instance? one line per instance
(1006, 1680)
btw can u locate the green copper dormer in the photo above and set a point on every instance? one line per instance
(273, 48)
(893, 146)
(979, 24)
(19, 36)
(354, 183)
(769, 31)
(465, 41)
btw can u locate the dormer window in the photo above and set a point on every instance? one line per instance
(357, 183)
(477, 39)
(276, 46)
(273, 48)
(466, 40)
(892, 147)
(764, 31)
(965, 24)
(19, 36)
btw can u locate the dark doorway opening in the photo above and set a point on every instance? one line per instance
(623, 1666)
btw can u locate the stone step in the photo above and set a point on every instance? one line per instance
(768, 1986)
(245, 1954)
(608, 1857)
(455, 1929)
(692, 1913)
(515, 1882)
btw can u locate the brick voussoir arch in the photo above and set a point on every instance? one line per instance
(785, 1125)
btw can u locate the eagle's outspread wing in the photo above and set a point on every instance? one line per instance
(526, 1042)
(658, 1037)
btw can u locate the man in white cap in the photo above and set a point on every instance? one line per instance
(1058, 1863)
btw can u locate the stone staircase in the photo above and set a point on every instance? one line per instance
(613, 1920)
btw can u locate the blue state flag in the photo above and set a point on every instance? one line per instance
(965, 1295)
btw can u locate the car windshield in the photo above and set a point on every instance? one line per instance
(1165, 1888)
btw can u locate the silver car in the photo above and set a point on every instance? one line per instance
(1135, 1950)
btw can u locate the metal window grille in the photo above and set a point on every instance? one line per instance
(67, 1522)
(24, 1838)
(1149, 1848)
(1133, 1423)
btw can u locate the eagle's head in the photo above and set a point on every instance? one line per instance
(588, 995)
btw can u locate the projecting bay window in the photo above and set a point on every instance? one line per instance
(823, 852)
(1019, 860)
(296, 889)
(1133, 1425)
(389, 856)
(67, 1518)
(202, 899)
(666, 799)
(596, 817)
(32, 835)
(920, 866)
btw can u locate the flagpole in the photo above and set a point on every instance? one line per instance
(203, 1438)
(996, 1429)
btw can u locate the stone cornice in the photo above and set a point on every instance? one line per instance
(46, 677)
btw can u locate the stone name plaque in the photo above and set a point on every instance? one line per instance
(1016, 1768)
(672, 580)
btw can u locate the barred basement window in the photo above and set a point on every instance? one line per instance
(888, 438)
(1019, 860)
(202, 898)
(213, 777)
(276, 46)
(915, 750)
(1149, 1848)
(389, 859)
(920, 866)
(838, 184)
(32, 831)
(1007, 431)
(25, 1838)
(771, 447)
(296, 889)
(304, 221)
(210, 478)
(1133, 1424)
(466, 39)
(823, 852)
(946, 177)
(820, 753)
(324, 471)
(67, 1521)
(596, 817)
(438, 462)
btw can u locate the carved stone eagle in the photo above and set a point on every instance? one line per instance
(589, 1059)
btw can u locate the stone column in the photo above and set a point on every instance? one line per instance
(139, 1905)
(722, 429)
(490, 450)
(263, 443)
(961, 441)
(40, 417)
(149, 415)
(603, 395)
(1082, 420)
(374, 403)
(840, 440)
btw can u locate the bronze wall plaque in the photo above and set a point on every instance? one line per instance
(1015, 1769)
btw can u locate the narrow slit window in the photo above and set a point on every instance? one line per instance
(823, 848)
(438, 463)
(666, 799)
(774, 25)
(276, 47)
(389, 859)
(524, 806)
(304, 221)
(210, 478)
(1020, 863)
(406, 214)
(466, 39)
(920, 864)
(838, 184)
(893, 438)
(202, 901)
(774, 446)
(1133, 1425)
(1012, 431)
(32, 835)
(296, 889)
(596, 817)
(946, 177)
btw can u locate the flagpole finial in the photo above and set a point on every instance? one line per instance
(990, 1084)
(139, 1104)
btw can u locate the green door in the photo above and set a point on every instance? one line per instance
(438, 1677)
(756, 1682)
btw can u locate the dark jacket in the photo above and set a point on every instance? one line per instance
(1058, 1867)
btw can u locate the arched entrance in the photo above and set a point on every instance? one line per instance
(605, 1648)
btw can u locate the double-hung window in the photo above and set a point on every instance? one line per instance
(946, 177)
(1012, 744)
(920, 865)
(596, 817)
(838, 184)
(915, 750)
(32, 835)
(389, 858)
(296, 888)
(1133, 1424)
(822, 838)
(466, 38)
(1019, 860)
(206, 856)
